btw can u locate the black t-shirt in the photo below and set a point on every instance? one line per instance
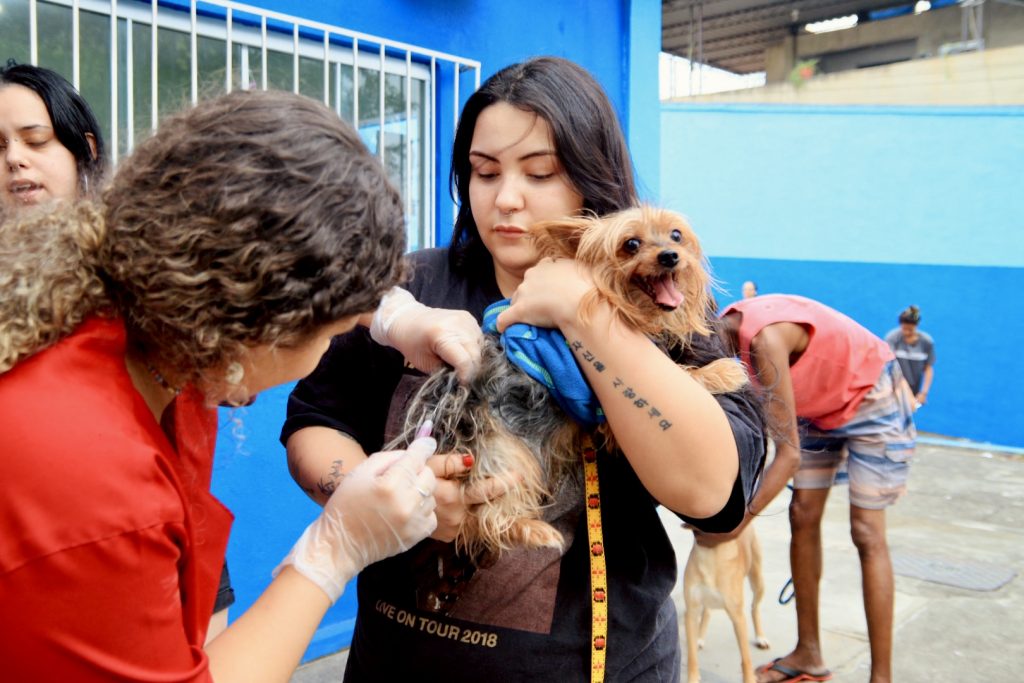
(527, 617)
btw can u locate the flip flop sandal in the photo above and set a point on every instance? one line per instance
(794, 675)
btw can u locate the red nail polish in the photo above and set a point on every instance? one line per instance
(467, 459)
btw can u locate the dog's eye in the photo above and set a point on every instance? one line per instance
(676, 236)
(632, 245)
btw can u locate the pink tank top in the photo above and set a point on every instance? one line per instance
(840, 365)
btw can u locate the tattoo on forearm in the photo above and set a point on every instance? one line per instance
(638, 401)
(329, 482)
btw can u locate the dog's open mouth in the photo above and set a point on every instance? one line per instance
(662, 290)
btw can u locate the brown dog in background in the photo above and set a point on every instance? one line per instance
(714, 579)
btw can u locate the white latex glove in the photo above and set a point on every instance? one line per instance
(426, 336)
(384, 506)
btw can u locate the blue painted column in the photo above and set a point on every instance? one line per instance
(642, 45)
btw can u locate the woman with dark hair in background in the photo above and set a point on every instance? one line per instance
(538, 141)
(51, 143)
(915, 350)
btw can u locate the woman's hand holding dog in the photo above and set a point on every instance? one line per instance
(454, 499)
(549, 295)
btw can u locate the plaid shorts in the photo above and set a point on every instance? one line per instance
(879, 444)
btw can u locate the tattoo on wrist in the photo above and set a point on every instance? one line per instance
(329, 482)
(618, 383)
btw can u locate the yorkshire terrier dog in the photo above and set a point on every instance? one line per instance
(647, 263)
(517, 433)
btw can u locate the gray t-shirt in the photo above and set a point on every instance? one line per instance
(913, 358)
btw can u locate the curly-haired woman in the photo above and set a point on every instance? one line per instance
(233, 245)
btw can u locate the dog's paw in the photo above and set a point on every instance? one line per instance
(700, 644)
(762, 643)
(533, 533)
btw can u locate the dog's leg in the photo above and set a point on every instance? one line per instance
(705, 619)
(692, 666)
(756, 578)
(734, 608)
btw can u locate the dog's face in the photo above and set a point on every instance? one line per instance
(647, 263)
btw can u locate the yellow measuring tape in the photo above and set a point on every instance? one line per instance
(598, 570)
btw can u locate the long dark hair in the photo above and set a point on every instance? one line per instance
(70, 115)
(587, 139)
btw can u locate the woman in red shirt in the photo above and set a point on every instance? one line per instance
(233, 245)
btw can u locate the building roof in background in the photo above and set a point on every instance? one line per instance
(736, 32)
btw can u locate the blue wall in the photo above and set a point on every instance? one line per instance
(871, 209)
(251, 475)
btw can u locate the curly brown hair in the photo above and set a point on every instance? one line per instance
(48, 276)
(255, 218)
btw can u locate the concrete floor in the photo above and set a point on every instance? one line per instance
(964, 515)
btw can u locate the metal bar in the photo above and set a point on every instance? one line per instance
(113, 80)
(981, 25)
(455, 126)
(337, 88)
(244, 70)
(154, 113)
(392, 45)
(700, 47)
(476, 78)
(355, 84)
(327, 69)
(194, 45)
(408, 133)
(320, 26)
(129, 83)
(380, 90)
(228, 51)
(295, 58)
(689, 55)
(431, 161)
(76, 48)
(33, 33)
(263, 48)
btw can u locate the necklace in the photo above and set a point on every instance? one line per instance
(161, 380)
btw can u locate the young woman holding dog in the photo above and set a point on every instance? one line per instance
(538, 141)
(233, 245)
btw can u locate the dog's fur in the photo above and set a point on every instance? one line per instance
(647, 263)
(714, 579)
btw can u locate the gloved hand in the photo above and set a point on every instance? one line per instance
(384, 506)
(426, 336)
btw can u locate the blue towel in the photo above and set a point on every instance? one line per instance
(545, 356)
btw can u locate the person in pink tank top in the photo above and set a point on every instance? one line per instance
(833, 393)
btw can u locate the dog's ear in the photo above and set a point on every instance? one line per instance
(560, 238)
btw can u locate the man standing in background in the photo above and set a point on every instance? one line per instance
(915, 351)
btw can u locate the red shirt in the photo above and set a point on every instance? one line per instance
(112, 545)
(841, 363)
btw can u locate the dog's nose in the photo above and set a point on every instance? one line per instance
(668, 258)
